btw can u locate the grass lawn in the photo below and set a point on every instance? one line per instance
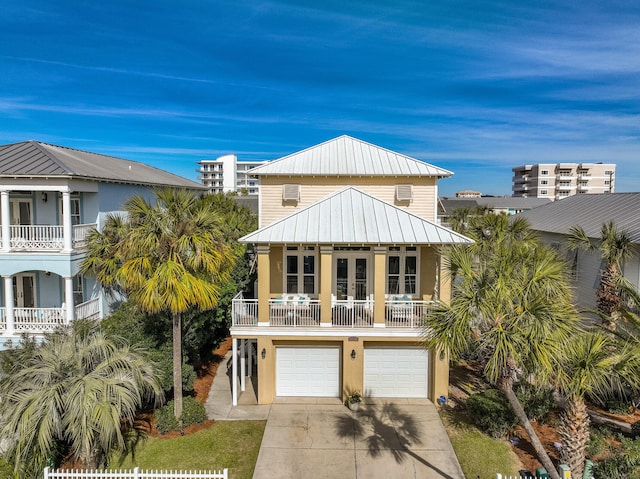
(231, 444)
(479, 455)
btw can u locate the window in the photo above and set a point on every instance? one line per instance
(75, 211)
(402, 270)
(607, 182)
(608, 172)
(544, 192)
(544, 182)
(544, 172)
(300, 273)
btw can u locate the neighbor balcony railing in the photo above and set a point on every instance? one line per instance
(407, 314)
(38, 320)
(46, 237)
(88, 310)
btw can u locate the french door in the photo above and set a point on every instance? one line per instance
(351, 280)
(24, 291)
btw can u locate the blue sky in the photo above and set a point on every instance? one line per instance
(474, 87)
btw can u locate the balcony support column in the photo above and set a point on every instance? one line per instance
(68, 299)
(326, 281)
(243, 365)
(234, 372)
(8, 304)
(264, 285)
(379, 286)
(67, 228)
(6, 220)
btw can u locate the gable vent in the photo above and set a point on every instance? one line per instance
(404, 192)
(290, 192)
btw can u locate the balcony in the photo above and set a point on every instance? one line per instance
(44, 320)
(46, 237)
(346, 314)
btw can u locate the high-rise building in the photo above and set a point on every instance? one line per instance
(560, 180)
(226, 174)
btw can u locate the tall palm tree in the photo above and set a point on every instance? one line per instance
(511, 305)
(596, 364)
(78, 388)
(165, 257)
(614, 247)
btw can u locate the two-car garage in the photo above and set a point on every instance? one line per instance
(399, 372)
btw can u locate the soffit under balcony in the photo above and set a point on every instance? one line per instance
(353, 217)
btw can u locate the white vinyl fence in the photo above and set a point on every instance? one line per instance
(136, 473)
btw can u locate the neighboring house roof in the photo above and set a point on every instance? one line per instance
(347, 156)
(33, 159)
(589, 212)
(498, 202)
(351, 216)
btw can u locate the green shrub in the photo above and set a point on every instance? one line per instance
(614, 467)
(618, 406)
(193, 412)
(597, 442)
(165, 420)
(491, 412)
(537, 402)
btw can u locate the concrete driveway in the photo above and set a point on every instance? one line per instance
(315, 437)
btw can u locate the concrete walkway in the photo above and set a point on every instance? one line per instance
(320, 437)
(218, 405)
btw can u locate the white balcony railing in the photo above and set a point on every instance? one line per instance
(88, 310)
(80, 234)
(294, 313)
(46, 237)
(344, 314)
(38, 320)
(406, 314)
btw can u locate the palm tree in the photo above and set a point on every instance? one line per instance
(78, 388)
(511, 305)
(615, 248)
(165, 257)
(596, 364)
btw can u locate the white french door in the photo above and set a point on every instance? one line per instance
(20, 211)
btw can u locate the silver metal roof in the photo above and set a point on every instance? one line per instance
(347, 156)
(589, 212)
(32, 158)
(351, 216)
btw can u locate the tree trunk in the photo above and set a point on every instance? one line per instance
(574, 431)
(507, 389)
(177, 367)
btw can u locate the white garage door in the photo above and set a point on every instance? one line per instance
(307, 371)
(396, 372)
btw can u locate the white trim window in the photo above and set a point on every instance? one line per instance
(301, 269)
(402, 270)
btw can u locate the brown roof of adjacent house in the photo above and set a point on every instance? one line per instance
(33, 159)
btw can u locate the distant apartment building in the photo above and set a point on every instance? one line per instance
(560, 180)
(226, 174)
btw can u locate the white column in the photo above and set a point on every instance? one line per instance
(243, 365)
(250, 359)
(234, 372)
(69, 314)
(6, 220)
(67, 228)
(8, 304)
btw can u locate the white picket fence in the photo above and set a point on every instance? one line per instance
(135, 473)
(502, 476)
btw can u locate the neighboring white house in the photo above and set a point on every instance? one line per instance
(554, 220)
(50, 198)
